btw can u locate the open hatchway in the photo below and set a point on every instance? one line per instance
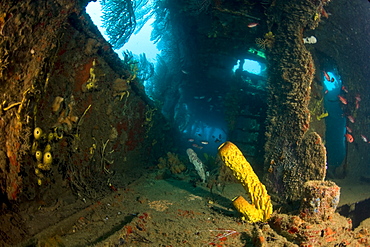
(103, 150)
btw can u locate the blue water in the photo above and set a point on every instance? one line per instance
(335, 122)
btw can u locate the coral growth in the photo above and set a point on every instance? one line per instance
(332, 232)
(321, 199)
(171, 162)
(267, 42)
(120, 88)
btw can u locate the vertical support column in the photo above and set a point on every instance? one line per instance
(294, 154)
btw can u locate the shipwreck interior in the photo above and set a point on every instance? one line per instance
(251, 126)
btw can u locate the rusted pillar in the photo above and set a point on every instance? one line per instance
(294, 153)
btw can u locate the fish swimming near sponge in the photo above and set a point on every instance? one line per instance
(323, 115)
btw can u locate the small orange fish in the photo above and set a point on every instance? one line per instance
(324, 13)
(349, 129)
(327, 77)
(349, 138)
(357, 105)
(253, 24)
(344, 89)
(351, 119)
(342, 99)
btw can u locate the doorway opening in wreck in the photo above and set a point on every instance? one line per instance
(338, 132)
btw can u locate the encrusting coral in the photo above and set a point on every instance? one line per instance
(267, 42)
(172, 162)
(261, 207)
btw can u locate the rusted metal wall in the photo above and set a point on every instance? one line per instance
(60, 77)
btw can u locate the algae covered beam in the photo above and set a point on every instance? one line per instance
(292, 150)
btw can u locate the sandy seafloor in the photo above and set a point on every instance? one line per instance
(152, 212)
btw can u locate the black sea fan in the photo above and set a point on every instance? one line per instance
(122, 17)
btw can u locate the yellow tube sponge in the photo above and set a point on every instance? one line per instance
(261, 207)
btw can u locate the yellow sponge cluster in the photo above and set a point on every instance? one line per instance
(261, 207)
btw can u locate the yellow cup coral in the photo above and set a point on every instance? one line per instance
(37, 133)
(48, 159)
(261, 207)
(38, 155)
